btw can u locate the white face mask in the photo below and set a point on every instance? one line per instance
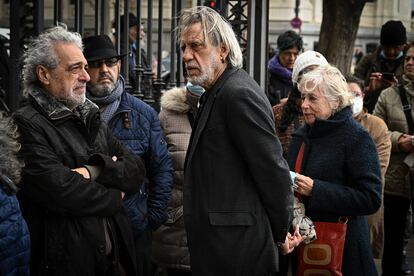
(357, 105)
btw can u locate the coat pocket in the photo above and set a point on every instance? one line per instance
(233, 218)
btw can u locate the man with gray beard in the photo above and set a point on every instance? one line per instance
(137, 125)
(76, 173)
(237, 193)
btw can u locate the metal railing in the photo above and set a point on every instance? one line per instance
(27, 18)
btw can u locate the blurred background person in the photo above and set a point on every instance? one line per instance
(387, 58)
(289, 45)
(288, 114)
(394, 106)
(340, 171)
(379, 133)
(133, 31)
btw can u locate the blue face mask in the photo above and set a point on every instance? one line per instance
(397, 57)
(195, 89)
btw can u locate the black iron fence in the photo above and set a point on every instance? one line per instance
(27, 19)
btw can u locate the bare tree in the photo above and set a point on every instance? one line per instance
(339, 28)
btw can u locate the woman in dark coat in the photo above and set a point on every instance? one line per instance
(340, 172)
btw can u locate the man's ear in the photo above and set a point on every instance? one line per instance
(224, 52)
(43, 74)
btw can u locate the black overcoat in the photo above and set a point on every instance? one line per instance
(64, 211)
(237, 189)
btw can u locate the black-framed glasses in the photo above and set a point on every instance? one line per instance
(110, 62)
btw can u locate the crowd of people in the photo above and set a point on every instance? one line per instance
(95, 182)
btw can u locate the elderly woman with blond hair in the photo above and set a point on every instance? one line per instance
(340, 173)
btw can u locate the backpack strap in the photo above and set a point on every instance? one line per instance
(406, 108)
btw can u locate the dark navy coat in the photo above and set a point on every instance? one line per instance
(341, 158)
(137, 125)
(14, 237)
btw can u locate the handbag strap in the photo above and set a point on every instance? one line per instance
(406, 108)
(298, 166)
(299, 158)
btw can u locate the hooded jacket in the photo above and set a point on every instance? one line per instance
(170, 247)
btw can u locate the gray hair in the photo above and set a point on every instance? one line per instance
(41, 51)
(330, 82)
(10, 165)
(216, 31)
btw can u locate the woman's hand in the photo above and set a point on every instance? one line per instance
(405, 143)
(305, 185)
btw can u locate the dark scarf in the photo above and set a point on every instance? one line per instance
(111, 101)
(284, 74)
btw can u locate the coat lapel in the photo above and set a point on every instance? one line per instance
(203, 117)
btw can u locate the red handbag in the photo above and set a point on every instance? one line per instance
(324, 255)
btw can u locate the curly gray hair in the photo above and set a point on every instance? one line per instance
(10, 165)
(216, 30)
(41, 51)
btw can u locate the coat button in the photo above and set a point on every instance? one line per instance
(102, 249)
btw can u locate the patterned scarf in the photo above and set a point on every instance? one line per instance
(111, 101)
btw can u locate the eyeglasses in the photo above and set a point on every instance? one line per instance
(108, 62)
(408, 58)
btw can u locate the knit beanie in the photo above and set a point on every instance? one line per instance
(306, 59)
(393, 33)
(289, 40)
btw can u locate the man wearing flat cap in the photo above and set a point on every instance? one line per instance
(136, 124)
(289, 46)
(388, 58)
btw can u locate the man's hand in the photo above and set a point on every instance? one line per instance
(82, 171)
(291, 242)
(377, 82)
(405, 143)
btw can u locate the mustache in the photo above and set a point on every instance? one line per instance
(105, 75)
(80, 85)
(192, 65)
